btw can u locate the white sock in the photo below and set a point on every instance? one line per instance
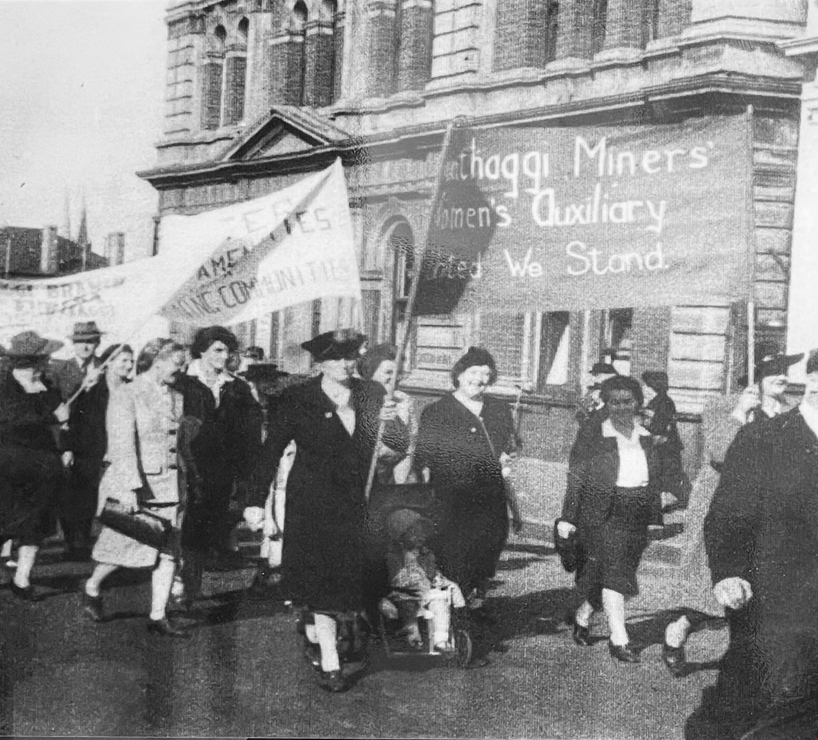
(326, 630)
(161, 583)
(677, 632)
(94, 583)
(309, 631)
(26, 555)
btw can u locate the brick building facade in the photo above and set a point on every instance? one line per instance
(260, 92)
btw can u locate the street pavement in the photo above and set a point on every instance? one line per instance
(241, 673)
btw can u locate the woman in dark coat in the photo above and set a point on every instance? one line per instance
(464, 440)
(30, 470)
(333, 420)
(224, 453)
(610, 497)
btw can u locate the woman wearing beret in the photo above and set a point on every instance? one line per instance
(609, 501)
(30, 470)
(464, 441)
(224, 452)
(333, 420)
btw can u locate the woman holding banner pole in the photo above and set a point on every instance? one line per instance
(333, 420)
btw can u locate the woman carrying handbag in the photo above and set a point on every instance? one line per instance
(142, 422)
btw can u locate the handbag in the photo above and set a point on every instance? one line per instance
(139, 524)
(570, 550)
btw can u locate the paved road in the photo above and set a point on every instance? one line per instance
(241, 673)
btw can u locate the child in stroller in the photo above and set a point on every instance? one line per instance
(418, 587)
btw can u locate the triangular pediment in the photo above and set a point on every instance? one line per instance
(285, 130)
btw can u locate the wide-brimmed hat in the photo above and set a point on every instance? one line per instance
(373, 358)
(812, 362)
(31, 344)
(769, 361)
(86, 331)
(341, 344)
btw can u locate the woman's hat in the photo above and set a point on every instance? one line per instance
(31, 344)
(263, 371)
(603, 368)
(769, 361)
(655, 379)
(86, 331)
(371, 360)
(341, 344)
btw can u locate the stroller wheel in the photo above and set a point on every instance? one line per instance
(463, 647)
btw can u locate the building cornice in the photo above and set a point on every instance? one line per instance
(680, 98)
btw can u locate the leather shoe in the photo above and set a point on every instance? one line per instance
(26, 594)
(581, 635)
(674, 659)
(624, 653)
(334, 682)
(165, 628)
(92, 606)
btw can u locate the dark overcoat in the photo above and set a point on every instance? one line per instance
(29, 460)
(87, 438)
(763, 527)
(224, 452)
(67, 375)
(467, 477)
(613, 532)
(324, 556)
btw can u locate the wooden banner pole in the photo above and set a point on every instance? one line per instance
(406, 327)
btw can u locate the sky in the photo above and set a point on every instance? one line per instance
(81, 100)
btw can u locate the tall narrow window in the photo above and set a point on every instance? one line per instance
(650, 21)
(212, 76)
(235, 71)
(552, 25)
(618, 340)
(298, 54)
(320, 58)
(599, 19)
(401, 244)
(555, 349)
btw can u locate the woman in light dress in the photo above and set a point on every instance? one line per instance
(142, 421)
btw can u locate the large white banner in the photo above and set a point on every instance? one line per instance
(119, 299)
(219, 267)
(269, 253)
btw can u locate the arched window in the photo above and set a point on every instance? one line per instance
(298, 53)
(322, 57)
(212, 76)
(235, 71)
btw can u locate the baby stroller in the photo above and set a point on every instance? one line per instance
(424, 613)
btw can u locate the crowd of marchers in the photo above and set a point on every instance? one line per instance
(391, 522)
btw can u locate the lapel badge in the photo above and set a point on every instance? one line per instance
(328, 415)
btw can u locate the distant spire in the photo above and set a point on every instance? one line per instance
(82, 234)
(66, 226)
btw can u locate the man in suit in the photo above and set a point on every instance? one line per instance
(78, 494)
(761, 535)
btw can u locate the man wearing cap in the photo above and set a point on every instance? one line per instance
(30, 415)
(761, 534)
(333, 420)
(70, 374)
(78, 494)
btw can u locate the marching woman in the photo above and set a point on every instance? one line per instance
(142, 421)
(30, 469)
(695, 606)
(611, 495)
(464, 442)
(333, 420)
(224, 452)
